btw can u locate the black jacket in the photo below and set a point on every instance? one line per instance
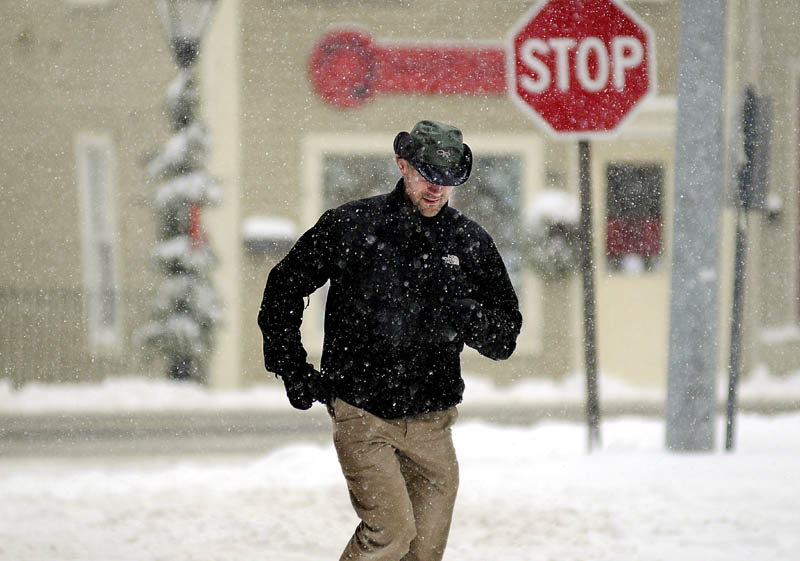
(392, 339)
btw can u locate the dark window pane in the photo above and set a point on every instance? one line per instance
(491, 197)
(634, 207)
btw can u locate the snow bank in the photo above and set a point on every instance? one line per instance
(130, 393)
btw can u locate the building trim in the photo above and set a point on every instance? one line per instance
(96, 175)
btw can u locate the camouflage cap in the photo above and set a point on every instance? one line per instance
(437, 151)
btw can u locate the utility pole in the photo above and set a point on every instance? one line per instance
(699, 181)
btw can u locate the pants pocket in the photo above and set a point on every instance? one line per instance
(452, 417)
(342, 411)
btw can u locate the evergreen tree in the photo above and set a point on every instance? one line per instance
(186, 307)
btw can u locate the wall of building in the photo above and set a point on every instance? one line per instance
(775, 68)
(74, 68)
(84, 71)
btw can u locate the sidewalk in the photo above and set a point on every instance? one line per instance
(209, 431)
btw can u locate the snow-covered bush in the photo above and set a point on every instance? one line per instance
(552, 224)
(179, 255)
(191, 188)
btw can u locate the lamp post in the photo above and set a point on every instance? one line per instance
(185, 21)
(186, 307)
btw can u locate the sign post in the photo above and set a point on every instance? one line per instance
(752, 187)
(587, 274)
(579, 68)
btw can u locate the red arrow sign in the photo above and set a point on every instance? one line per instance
(347, 67)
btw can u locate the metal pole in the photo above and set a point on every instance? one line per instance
(734, 366)
(587, 270)
(699, 177)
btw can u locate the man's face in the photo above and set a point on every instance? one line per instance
(428, 198)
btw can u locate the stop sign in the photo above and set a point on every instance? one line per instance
(580, 66)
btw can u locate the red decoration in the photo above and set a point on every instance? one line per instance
(347, 67)
(580, 66)
(640, 236)
(196, 233)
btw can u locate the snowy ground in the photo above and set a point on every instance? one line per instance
(528, 493)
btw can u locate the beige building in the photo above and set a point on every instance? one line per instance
(82, 108)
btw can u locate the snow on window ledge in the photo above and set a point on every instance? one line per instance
(780, 335)
(268, 234)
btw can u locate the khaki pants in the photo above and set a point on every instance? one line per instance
(402, 475)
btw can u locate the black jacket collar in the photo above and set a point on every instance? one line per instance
(398, 201)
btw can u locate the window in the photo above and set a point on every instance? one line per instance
(95, 182)
(507, 170)
(355, 176)
(634, 213)
(492, 197)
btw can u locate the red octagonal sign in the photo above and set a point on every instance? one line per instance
(580, 66)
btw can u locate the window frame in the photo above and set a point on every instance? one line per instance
(528, 147)
(99, 242)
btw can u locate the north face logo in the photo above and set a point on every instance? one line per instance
(451, 260)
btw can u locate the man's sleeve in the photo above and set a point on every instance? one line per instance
(498, 303)
(304, 269)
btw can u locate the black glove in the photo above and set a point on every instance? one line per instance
(469, 320)
(462, 318)
(304, 387)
